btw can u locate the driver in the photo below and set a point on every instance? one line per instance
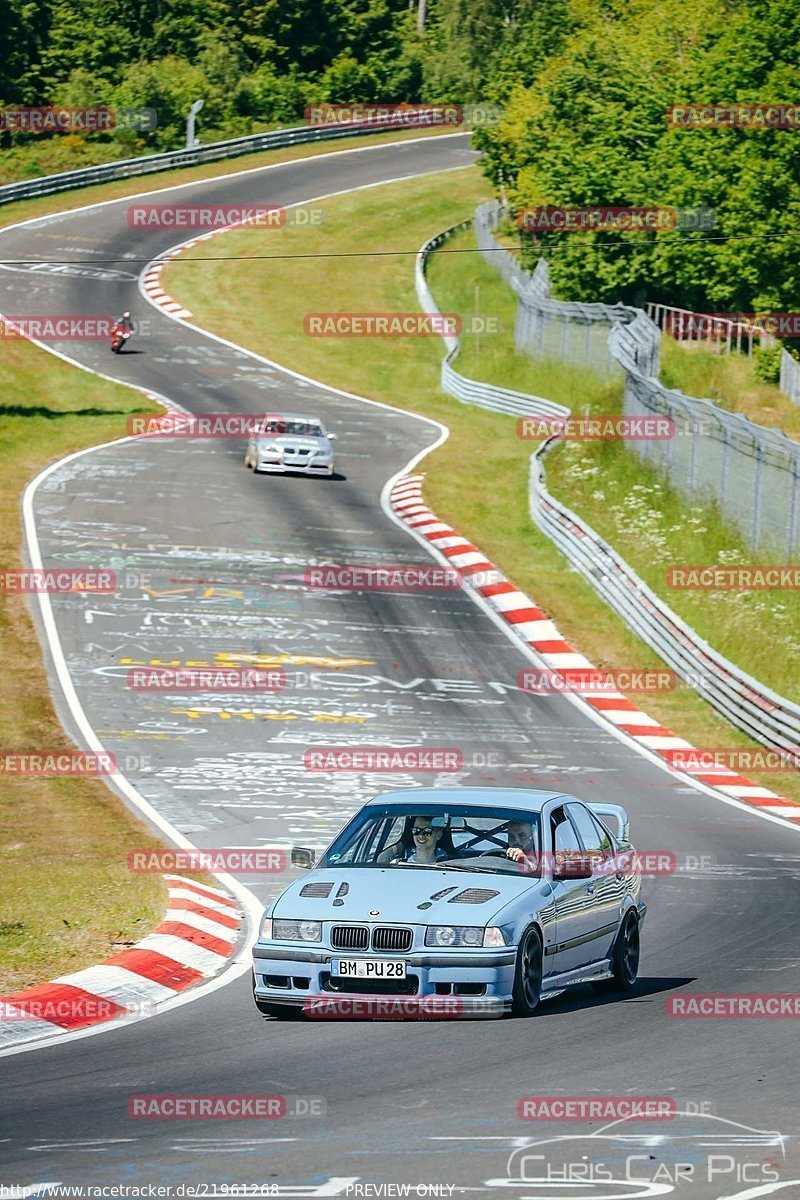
(124, 322)
(521, 845)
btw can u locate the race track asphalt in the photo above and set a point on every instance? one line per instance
(222, 553)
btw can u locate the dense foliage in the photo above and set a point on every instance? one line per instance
(590, 128)
(585, 85)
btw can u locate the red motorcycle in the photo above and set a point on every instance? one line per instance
(119, 336)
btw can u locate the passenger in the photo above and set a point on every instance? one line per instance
(426, 842)
(423, 848)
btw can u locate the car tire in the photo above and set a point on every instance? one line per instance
(527, 975)
(624, 957)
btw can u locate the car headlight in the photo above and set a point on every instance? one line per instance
(453, 935)
(297, 931)
(270, 448)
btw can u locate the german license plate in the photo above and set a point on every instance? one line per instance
(368, 968)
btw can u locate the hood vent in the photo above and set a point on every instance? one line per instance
(319, 891)
(473, 896)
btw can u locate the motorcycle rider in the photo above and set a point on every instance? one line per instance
(121, 331)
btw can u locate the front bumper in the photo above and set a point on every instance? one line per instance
(305, 972)
(280, 467)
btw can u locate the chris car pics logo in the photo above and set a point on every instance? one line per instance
(619, 1160)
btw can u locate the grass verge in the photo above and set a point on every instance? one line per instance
(730, 381)
(493, 511)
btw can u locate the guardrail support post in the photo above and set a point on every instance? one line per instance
(757, 496)
(191, 140)
(793, 504)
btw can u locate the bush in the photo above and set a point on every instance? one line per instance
(767, 363)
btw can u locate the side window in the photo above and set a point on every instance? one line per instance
(595, 839)
(606, 839)
(565, 840)
(391, 831)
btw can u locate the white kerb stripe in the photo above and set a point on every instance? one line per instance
(187, 953)
(509, 600)
(467, 560)
(22, 1028)
(537, 631)
(560, 661)
(626, 717)
(206, 924)
(177, 893)
(118, 984)
(191, 885)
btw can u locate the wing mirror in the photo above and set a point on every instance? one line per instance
(332, 437)
(303, 857)
(568, 869)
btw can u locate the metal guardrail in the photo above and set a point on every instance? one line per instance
(232, 148)
(473, 391)
(717, 332)
(752, 707)
(768, 718)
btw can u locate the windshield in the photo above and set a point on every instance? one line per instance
(455, 837)
(279, 427)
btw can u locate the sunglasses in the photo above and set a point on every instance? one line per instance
(424, 832)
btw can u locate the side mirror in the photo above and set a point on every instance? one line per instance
(332, 437)
(303, 857)
(577, 868)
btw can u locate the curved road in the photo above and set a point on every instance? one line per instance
(219, 553)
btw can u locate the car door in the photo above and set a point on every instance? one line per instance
(609, 884)
(577, 920)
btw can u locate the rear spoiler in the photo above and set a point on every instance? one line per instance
(615, 817)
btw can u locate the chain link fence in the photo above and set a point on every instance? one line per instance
(550, 328)
(751, 473)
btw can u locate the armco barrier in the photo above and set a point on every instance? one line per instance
(761, 713)
(232, 148)
(765, 716)
(472, 391)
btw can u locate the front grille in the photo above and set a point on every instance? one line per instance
(473, 896)
(350, 937)
(386, 938)
(370, 987)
